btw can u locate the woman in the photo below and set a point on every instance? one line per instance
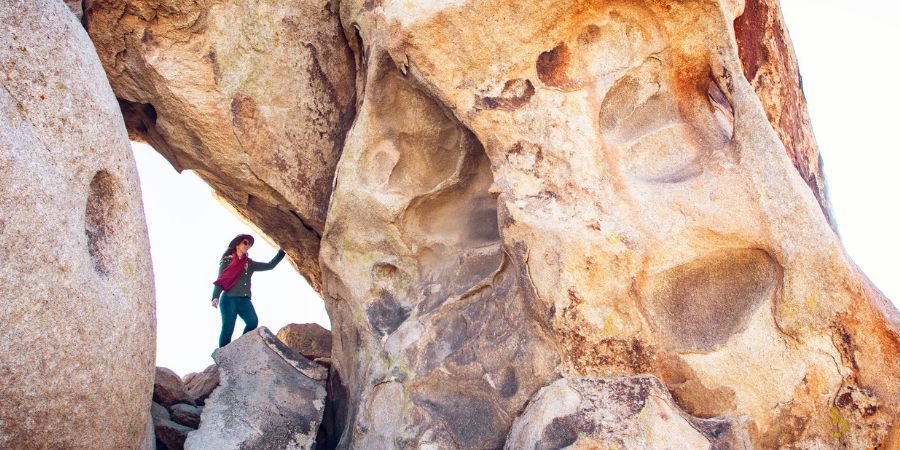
(235, 270)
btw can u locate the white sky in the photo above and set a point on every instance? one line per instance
(849, 77)
(189, 230)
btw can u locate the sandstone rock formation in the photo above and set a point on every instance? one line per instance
(254, 96)
(269, 397)
(78, 332)
(528, 192)
(308, 339)
(587, 190)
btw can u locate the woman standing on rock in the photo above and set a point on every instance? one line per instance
(235, 270)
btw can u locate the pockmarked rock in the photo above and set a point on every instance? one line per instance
(78, 333)
(618, 412)
(254, 96)
(545, 189)
(308, 339)
(268, 397)
(502, 193)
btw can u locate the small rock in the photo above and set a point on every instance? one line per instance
(187, 415)
(308, 339)
(158, 411)
(202, 384)
(172, 435)
(168, 388)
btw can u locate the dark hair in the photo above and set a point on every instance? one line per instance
(232, 246)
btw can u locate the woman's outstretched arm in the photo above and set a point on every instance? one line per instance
(258, 266)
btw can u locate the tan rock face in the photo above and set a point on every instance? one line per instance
(648, 220)
(269, 397)
(528, 192)
(255, 96)
(308, 339)
(771, 67)
(77, 345)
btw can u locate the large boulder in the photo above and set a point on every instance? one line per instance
(592, 189)
(268, 397)
(308, 339)
(170, 435)
(582, 189)
(78, 334)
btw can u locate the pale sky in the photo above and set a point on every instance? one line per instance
(849, 77)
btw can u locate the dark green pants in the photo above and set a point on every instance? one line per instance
(231, 307)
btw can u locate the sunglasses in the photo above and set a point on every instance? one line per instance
(247, 243)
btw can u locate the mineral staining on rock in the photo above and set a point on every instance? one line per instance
(529, 192)
(649, 214)
(617, 412)
(77, 344)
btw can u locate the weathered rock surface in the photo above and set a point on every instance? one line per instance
(579, 189)
(770, 65)
(200, 385)
(619, 412)
(78, 332)
(187, 415)
(254, 96)
(528, 191)
(308, 339)
(170, 435)
(168, 389)
(268, 397)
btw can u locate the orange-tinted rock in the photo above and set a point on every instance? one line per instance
(638, 213)
(201, 385)
(771, 67)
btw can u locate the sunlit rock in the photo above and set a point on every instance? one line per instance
(308, 339)
(254, 96)
(528, 192)
(554, 189)
(78, 335)
(268, 397)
